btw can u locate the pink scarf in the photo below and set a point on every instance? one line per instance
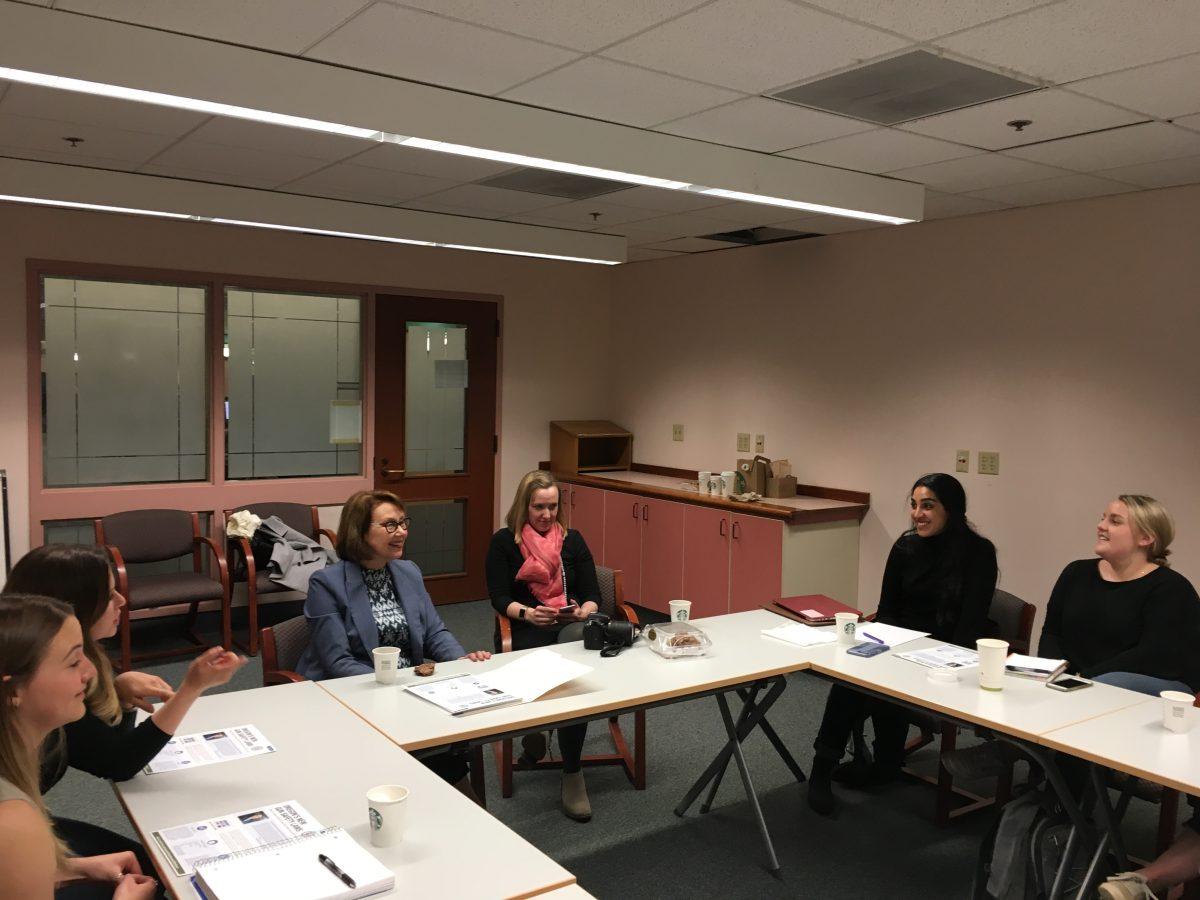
(542, 569)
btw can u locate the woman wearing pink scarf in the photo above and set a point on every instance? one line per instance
(541, 575)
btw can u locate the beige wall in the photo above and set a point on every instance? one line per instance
(543, 303)
(1065, 337)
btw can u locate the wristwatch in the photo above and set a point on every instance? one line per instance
(521, 612)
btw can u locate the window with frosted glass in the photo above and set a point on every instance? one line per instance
(293, 381)
(124, 382)
(435, 397)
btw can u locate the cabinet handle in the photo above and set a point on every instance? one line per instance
(645, 513)
(635, 510)
(722, 528)
(572, 498)
(736, 526)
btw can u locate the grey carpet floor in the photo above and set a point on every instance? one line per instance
(879, 844)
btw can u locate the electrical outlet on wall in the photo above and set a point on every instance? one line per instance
(743, 442)
(962, 461)
(760, 443)
(989, 462)
(677, 432)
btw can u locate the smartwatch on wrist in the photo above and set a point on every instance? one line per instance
(521, 612)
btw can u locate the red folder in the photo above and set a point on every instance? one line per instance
(804, 606)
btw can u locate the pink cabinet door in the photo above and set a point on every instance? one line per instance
(662, 553)
(706, 560)
(587, 517)
(623, 540)
(756, 562)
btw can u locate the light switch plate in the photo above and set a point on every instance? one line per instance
(677, 432)
(743, 442)
(989, 462)
(760, 443)
(962, 461)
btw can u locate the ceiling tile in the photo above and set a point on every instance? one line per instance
(758, 213)
(690, 224)
(922, 19)
(278, 139)
(235, 162)
(1119, 147)
(973, 173)
(426, 204)
(450, 166)
(69, 106)
(692, 245)
(579, 213)
(582, 24)
(1080, 38)
(132, 147)
(617, 92)
(1054, 114)
(829, 224)
(662, 200)
(274, 24)
(753, 45)
(945, 206)
(757, 123)
(347, 181)
(645, 254)
(1165, 173)
(490, 200)
(1053, 190)
(73, 158)
(1165, 89)
(1192, 123)
(643, 233)
(428, 48)
(243, 180)
(881, 150)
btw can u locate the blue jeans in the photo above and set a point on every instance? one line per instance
(1143, 684)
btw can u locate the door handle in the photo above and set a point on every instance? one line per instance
(572, 498)
(392, 473)
(736, 526)
(645, 513)
(635, 510)
(722, 528)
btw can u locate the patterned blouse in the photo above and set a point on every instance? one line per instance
(389, 614)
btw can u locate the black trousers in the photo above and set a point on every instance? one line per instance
(525, 637)
(844, 709)
(452, 766)
(85, 839)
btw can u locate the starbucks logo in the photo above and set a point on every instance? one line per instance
(376, 818)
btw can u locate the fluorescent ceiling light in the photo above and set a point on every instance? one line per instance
(259, 115)
(96, 207)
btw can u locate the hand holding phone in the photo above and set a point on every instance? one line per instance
(569, 612)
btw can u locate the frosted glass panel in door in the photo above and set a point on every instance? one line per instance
(436, 539)
(435, 394)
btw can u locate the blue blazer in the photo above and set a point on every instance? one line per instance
(342, 629)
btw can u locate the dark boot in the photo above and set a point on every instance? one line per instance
(820, 786)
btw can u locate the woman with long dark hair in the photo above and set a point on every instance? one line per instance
(939, 578)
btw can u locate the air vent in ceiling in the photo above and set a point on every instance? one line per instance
(761, 235)
(554, 184)
(910, 86)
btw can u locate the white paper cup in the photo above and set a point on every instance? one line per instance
(387, 810)
(681, 610)
(847, 626)
(704, 482)
(728, 480)
(992, 655)
(387, 664)
(1178, 714)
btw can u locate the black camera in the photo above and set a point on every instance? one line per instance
(601, 633)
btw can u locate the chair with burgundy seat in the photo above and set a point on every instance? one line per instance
(299, 517)
(161, 535)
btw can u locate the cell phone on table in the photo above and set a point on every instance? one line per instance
(1068, 683)
(868, 649)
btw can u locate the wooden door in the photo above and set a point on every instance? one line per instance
(755, 562)
(706, 560)
(623, 540)
(586, 511)
(435, 433)
(662, 553)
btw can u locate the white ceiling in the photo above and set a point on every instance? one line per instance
(1118, 109)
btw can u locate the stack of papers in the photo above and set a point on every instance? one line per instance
(891, 635)
(800, 635)
(186, 751)
(944, 656)
(521, 681)
(1035, 667)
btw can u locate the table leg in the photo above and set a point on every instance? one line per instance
(749, 700)
(773, 862)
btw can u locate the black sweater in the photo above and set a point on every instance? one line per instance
(1149, 626)
(941, 584)
(117, 751)
(504, 560)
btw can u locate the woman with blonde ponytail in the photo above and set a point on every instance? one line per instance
(44, 675)
(1127, 619)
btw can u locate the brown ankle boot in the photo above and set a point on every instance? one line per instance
(575, 803)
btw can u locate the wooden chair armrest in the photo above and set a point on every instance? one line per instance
(243, 544)
(328, 535)
(218, 556)
(505, 627)
(122, 577)
(282, 676)
(628, 613)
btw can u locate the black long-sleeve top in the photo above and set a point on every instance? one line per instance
(504, 560)
(1149, 626)
(941, 584)
(117, 752)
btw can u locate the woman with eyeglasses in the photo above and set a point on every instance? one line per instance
(374, 598)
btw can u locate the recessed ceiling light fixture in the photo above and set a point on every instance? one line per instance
(210, 107)
(301, 229)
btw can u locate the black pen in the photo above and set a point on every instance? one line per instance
(332, 867)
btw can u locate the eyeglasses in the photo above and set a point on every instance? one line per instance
(391, 525)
